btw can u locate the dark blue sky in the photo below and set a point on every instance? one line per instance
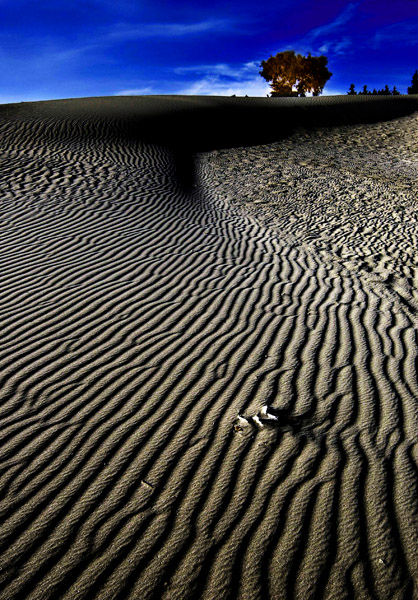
(74, 48)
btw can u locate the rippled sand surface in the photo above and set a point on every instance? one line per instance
(208, 391)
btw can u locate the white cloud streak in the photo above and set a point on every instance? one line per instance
(213, 86)
(328, 38)
(336, 47)
(124, 33)
(212, 80)
(219, 79)
(162, 30)
(223, 79)
(405, 32)
(342, 19)
(220, 69)
(144, 91)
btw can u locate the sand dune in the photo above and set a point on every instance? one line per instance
(209, 379)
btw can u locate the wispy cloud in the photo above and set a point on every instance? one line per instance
(119, 6)
(214, 86)
(405, 32)
(336, 47)
(342, 19)
(136, 92)
(124, 32)
(222, 79)
(220, 69)
(10, 99)
(211, 80)
(161, 30)
(330, 37)
(74, 52)
(219, 79)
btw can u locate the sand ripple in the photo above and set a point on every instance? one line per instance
(195, 405)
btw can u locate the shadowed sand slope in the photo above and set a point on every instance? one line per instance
(195, 405)
(187, 124)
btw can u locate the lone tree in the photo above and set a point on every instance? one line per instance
(287, 70)
(352, 90)
(413, 89)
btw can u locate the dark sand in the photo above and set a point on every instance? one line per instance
(209, 359)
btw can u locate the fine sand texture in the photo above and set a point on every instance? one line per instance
(209, 349)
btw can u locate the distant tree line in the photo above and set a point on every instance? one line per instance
(383, 92)
(413, 89)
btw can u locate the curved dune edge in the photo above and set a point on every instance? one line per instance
(190, 124)
(208, 122)
(192, 405)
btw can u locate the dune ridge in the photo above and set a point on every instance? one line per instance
(195, 404)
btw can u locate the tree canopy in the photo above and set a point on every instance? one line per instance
(288, 70)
